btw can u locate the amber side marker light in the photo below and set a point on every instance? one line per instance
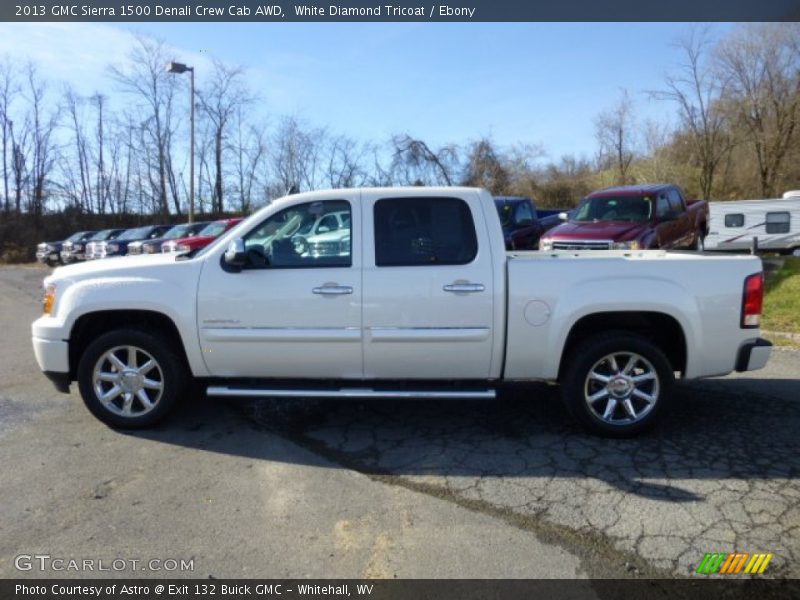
(49, 299)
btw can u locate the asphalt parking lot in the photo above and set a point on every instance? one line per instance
(397, 489)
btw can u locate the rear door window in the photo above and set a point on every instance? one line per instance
(423, 231)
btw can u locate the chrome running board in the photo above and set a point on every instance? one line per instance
(251, 392)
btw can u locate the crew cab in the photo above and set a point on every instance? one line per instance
(523, 225)
(632, 218)
(425, 303)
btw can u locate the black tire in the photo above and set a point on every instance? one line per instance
(699, 242)
(171, 374)
(577, 387)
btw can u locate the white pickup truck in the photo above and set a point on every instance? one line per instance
(422, 302)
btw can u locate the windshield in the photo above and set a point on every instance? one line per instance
(135, 234)
(102, 235)
(76, 236)
(637, 209)
(214, 229)
(506, 212)
(178, 231)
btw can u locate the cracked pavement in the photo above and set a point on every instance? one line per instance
(402, 488)
(719, 474)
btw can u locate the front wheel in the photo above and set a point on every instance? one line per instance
(616, 384)
(130, 378)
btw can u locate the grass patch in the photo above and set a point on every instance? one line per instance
(782, 298)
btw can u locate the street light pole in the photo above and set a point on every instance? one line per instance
(178, 68)
(191, 146)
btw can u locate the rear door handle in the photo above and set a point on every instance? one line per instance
(460, 288)
(333, 290)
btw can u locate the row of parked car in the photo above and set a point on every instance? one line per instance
(149, 239)
(631, 217)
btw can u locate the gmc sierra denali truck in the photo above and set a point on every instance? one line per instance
(422, 302)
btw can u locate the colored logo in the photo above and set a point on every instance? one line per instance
(731, 564)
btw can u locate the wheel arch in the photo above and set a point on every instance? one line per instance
(660, 328)
(90, 325)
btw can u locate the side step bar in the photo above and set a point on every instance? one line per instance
(250, 392)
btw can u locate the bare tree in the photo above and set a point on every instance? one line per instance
(224, 95)
(484, 168)
(296, 154)
(250, 151)
(344, 164)
(8, 90)
(614, 130)
(762, 64)
(698, 93)
(78, 185)
(43, 147)
(145, 77)
(415, 163)
(657, 162)
(19, 165)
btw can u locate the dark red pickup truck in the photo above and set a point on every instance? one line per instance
(632, 217)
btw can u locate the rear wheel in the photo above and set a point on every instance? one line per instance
(130, 378)
(616, 384)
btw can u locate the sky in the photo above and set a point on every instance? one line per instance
(530, 83)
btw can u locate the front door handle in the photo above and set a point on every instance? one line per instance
(333, 290)
(460, 288)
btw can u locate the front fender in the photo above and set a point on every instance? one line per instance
(125, 293)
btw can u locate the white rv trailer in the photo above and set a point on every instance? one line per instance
(775, 223)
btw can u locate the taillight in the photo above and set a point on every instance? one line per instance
(752, 301)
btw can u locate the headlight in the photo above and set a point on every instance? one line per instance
(51, 247)
(112, 247)
(149, 248)
(49, 298)
(634, 245)
(77, 247)
(183, 248)
(545, 245)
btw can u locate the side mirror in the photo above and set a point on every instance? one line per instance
(563, 216)
(671, 216)
(236, 255)
(524, 222)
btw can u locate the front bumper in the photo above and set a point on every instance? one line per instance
(71, 257)
(51, 350)
(753, 355)
(44, 256)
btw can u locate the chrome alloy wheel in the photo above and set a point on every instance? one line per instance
(128, 381)
(621, 388)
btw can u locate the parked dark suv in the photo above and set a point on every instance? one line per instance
(119, 246)
(522, 223)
